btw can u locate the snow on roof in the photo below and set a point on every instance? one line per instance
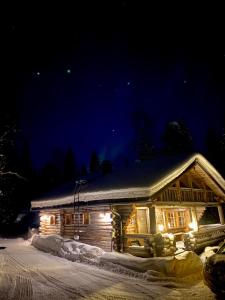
(139, 180)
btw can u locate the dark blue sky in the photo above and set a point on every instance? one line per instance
(121, 57)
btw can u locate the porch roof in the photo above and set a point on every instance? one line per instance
(139, 180)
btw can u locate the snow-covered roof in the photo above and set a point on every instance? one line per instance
(139, 180)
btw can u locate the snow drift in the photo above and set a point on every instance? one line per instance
(66, 248)
(182, 265)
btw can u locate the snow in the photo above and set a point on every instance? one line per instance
(208, 252)
(27, 273)
(136, 181)
(180, 265)
(69, 249)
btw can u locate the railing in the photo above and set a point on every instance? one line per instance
(186, 195)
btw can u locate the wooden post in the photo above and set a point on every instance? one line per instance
(194, 217)
(152, 219)
(178, 190)
(191, 186)
(221, 215)
(61, 220)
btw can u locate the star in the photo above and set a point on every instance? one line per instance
(68, 71)
(185, 81)
(128, 83)
(38, 74)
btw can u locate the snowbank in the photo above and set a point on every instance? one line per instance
(68, 249)
(182, 265)
(209, 251)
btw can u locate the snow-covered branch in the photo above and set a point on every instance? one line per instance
(12, 173)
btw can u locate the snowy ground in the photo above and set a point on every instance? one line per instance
(27, 273)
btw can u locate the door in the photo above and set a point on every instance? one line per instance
(142, 220)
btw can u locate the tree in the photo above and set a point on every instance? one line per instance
(94, 163)
(177, 138)
(9, 178)
(25, 163)
(142, 132)
(212, 143)
(83, 170)
(69, 165)
(50, 177)
(106, 167)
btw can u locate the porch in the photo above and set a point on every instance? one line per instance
(150, 245)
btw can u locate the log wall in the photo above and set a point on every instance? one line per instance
(45, 226)
(97, 231)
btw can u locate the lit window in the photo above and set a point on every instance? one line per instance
(175, 218)
(181, 219)
(52, 220)
(171, 219)
(81, 218)
(86, 218)
(68, 219)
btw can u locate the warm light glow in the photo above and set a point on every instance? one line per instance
(168, 225)
(45, 218)
(170, 236)
(191, 235)
(106, 217)
(193, 226)
(160, 227)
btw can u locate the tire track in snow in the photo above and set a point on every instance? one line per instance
(59, 288)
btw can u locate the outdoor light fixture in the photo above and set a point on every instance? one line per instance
(106, 217)
(45, 218)
(193, 226)
(161, 227)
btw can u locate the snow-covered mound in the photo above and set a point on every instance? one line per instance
(69, 249)
(209, 251)
(182, 265)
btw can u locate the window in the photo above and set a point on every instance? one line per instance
(142, 220)
(52, 220)
(175, 218)
(81, 218)
(181, 218)
(171, 219)
(68, 219)
(86, 218)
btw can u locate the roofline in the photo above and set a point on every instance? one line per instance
(124, 201)
(138, 192)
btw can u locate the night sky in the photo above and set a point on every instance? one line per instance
(76, 74)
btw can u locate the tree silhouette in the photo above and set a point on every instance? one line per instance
(94, 163)
(83, 170)
(142, 135)
(69, 165)
(177, 138)
(106, 167)
(9, 178)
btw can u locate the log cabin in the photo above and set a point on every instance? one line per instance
(145, 209)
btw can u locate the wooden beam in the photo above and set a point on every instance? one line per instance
(221, 215)
(152, 219)
(178, 190)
